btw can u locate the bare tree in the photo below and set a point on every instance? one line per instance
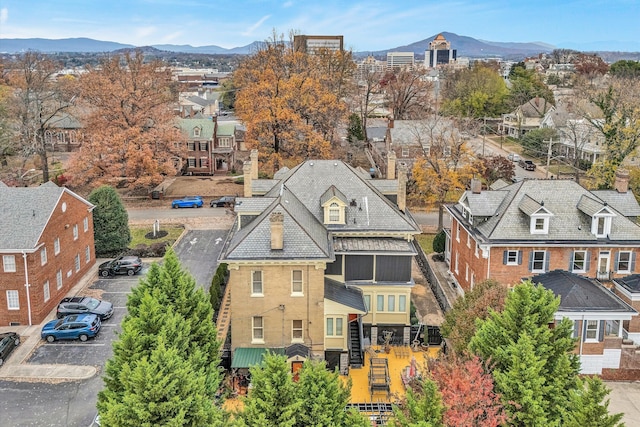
(408, 92)
(38, 100)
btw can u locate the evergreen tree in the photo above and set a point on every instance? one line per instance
(439, 242)
(323, 398)
(354, 131)
(110, 222)
(272, 400)
(590, 407)
(524, 349)
(166, 314)
(421, 408)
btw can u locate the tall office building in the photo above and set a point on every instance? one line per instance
(312, 44)
(439, 53)
(400, 60)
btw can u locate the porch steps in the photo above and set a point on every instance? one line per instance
(224, 317)
(355, 348)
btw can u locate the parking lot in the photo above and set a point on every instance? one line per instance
(73, 403)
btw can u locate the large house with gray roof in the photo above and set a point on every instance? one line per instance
(46, 246)
(320, 263)
(535, 226)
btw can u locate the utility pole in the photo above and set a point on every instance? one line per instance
(548, 157)
(484, 133)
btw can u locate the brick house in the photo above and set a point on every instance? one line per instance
(211, 146)
(598, 316)
(46, 245)
(536, 226)
(320, 263)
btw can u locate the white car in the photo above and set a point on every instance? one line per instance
(514, 157)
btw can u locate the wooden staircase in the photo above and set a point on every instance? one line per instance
(224, 316)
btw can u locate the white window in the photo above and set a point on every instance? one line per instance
(579, 263)
(466, 271)
(224, 142)
(56, 246)
(256, 283)
(204, 162)
(391, 303)
(43, 256)
(257, 329)
(591, 331)
(334, 327)
(402, 303)
(196, 131)
(87, 254)
(191, 146)
(9, 263)
(468, 240)
(334, 212)
(538, 261)
(75, 231)
(296, 282)
(13, 303)
(296, 331)
(512, 257)
(204, 146)
(456, 264)
(77, 262)
(458, 231)
(367, 302)
(539, 225)
(477, 250)
(601, 225)
(85, 223)
(380, 303)
(192, 162)
(405, 152)
(59, 279)
(624, 262)
(45, 291)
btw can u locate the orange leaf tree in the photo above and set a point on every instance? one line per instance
(289, 108)
(131, 136)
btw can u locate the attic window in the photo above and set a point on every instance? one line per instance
(196, 131)
(539, 224)
(334, 212)
(601, 225)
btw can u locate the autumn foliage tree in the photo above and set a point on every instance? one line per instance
(492, 168)
(467, 393)
(131, 136)
(289, 108)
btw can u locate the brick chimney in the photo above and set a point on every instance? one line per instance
(254, 163)
(246, 173)
(390, 122)
(622, 181)
(277, 230)
(476, 186)
(391, 165)
(402, 187)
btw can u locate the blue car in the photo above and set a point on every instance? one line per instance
(187, 202)
(72, 327)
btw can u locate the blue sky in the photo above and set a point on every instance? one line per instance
(366, 25)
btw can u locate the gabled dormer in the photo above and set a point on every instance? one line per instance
(601, 215)
(334, 205)
(197, 130)
(539, 216)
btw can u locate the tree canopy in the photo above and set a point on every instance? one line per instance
(131, 136)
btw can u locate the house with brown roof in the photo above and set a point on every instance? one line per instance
(320, 264)
(46, 246)
(525, 117)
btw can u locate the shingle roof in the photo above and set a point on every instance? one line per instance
(206, 126)
(345, 295)
(25, 212)
(631, 283)
(565, 199)
(368, 244)
(578, 293)
(625, 203)
(331, 193)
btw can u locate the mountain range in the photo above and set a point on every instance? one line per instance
(465, 46)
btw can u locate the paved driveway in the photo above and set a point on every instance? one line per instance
(198, 251)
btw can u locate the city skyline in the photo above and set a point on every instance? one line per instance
(366, 25)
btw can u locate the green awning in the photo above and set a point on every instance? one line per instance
(248, 357)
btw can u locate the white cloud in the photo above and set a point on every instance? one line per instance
(145, 31)
(172, 36)
(287, 4)
(4, 15)
(255, 26)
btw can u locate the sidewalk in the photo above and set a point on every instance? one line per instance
(16, 367)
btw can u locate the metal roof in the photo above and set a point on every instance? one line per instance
(246, 357)
(346, 295)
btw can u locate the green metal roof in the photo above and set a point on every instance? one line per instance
(248, 357)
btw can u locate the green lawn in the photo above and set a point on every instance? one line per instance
(138, 235)
(426, 242)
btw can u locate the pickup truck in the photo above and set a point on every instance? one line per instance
(527, 165)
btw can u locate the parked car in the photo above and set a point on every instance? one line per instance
(73, 327)
(225, 201)
(84, 305)
(188, 202)
(527, 165)
(514, 157)
(8, 341)
(128, 265)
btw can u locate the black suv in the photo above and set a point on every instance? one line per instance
(224, 201)
(128, 265)
(8, 341)
(75, 305)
